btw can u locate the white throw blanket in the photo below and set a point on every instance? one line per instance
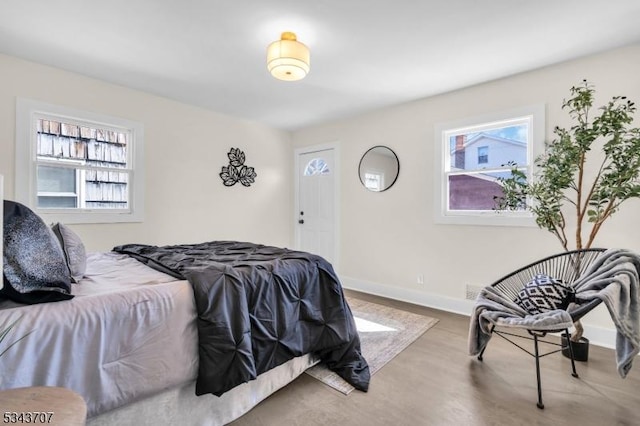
(613, 277)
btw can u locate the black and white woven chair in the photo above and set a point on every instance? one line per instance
(564, 268)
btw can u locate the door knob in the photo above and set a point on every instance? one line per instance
(301, 221)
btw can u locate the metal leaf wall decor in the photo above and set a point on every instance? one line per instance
(236, 171)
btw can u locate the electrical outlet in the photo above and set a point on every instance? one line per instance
(420, 279)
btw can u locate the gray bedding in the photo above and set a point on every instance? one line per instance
(258, 307)
(129, 333)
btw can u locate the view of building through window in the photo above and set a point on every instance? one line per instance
(78, 167)
(477, 158)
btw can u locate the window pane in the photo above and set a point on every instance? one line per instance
(483, 154)
(373, 181)
(475, 191)
(105, 154)
(90, 148)
(57, 202)
(107, 190)
(60, 140)
(317, 166)
(56, 179)
(489, 149)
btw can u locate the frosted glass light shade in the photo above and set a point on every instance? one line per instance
(287, 58)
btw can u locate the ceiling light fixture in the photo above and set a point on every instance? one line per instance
(287, 58)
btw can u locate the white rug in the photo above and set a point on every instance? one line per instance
(384, 333)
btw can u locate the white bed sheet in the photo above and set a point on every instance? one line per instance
(129, 333)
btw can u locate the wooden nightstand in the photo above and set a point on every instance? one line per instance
(42, 405)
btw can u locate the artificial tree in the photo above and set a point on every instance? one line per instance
(563, 185)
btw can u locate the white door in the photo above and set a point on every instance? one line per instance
(316, 203)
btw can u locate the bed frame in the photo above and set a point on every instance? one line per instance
(181, 405)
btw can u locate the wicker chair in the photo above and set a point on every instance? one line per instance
(566, 267)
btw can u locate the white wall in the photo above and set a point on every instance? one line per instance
(389, 238)
(185, 148)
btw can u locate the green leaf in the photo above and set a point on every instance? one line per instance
(566, 174)
(5, 332)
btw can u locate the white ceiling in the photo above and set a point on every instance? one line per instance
(365, 54)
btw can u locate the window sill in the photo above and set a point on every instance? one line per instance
(75, 217)
(486, 219)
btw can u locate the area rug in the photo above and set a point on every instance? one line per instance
(384, 333)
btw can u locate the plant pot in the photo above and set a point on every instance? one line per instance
(580, 348)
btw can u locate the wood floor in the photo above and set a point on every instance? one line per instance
(435, 382)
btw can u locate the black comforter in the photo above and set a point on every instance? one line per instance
(258, 307)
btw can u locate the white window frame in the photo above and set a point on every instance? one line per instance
(535, 114)
(28, 111)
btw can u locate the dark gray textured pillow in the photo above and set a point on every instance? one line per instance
(34, 267)
(543, 294)
(73, 249)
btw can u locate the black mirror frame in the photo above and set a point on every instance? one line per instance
(397, 162)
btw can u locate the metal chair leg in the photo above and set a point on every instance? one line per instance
(537, 356)
(481, 353)
(573, 363)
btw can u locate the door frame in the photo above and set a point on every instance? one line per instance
(335, 146)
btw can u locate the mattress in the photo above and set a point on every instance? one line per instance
(128, 334)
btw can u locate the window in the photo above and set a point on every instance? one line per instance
(317, 166)
(374, 180)
(483, 154)
(469, 178)
(78, 167)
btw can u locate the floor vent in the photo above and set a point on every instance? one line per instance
(472, 291)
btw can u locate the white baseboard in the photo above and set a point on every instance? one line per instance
(599, 336)
(431, 300)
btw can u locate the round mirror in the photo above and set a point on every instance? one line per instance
(379, 168)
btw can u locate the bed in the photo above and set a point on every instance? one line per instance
(140, 343)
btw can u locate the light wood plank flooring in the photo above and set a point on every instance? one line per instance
(435, 382)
